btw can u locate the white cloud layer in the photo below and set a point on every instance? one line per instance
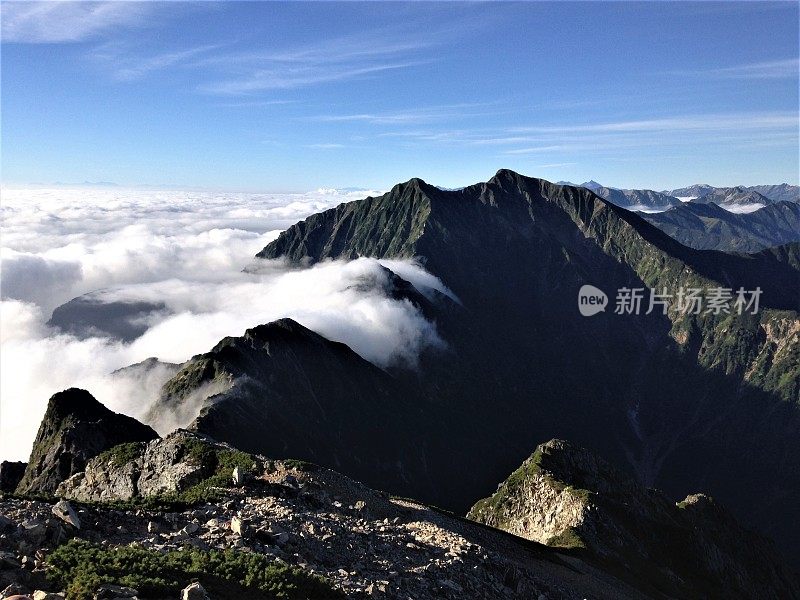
(60, 243)
(187, 251)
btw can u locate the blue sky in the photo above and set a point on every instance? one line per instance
(295, 96)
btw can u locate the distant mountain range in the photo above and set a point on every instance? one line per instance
(710, 227)
(731, 198)
(633, 199)
(775, 193)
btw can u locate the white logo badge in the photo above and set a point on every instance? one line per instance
(591, 300)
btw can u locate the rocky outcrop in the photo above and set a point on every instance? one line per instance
(566, 497)
(141, 470)
(11, 474)
(75, 428)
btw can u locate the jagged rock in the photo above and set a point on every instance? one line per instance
(167, 468)
(11, 474)
(9, 561)
(34, 530)
(159, 467)
(64, 511)
(567, 497)
(75, 428)
(5, 523)
(194, 591)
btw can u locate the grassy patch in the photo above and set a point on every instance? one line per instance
(80, 567)
(122, 454)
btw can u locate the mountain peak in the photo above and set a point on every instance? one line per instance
(74, 402)
(592, 185)
(415, 183)
(507, 175)
(75, 428)
(285, 324)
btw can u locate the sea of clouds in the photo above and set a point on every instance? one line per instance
(187, 251)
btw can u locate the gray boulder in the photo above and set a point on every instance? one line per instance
(159, 467)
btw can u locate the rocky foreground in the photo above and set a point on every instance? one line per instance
(187, 517)
(364, 543)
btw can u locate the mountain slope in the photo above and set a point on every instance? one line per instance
(565, 496)
(645, 390)
(710, 227)
(162, 513)
(778, 193)
(287, 391)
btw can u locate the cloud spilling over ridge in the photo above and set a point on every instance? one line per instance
(186, 253)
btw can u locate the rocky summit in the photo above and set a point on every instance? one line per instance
(75, 428)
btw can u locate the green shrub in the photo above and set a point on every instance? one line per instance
(80, 567)
(122, 454)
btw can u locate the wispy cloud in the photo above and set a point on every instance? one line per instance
(57, 22)
(320, 62)
(275, 78)
(553, 165)
(126, 65)
(710, 122)
(745, 128)
(325, 146)
(787, 68)
(254, 103)
(417, 115)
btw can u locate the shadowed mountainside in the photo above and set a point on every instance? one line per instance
(686, 401)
